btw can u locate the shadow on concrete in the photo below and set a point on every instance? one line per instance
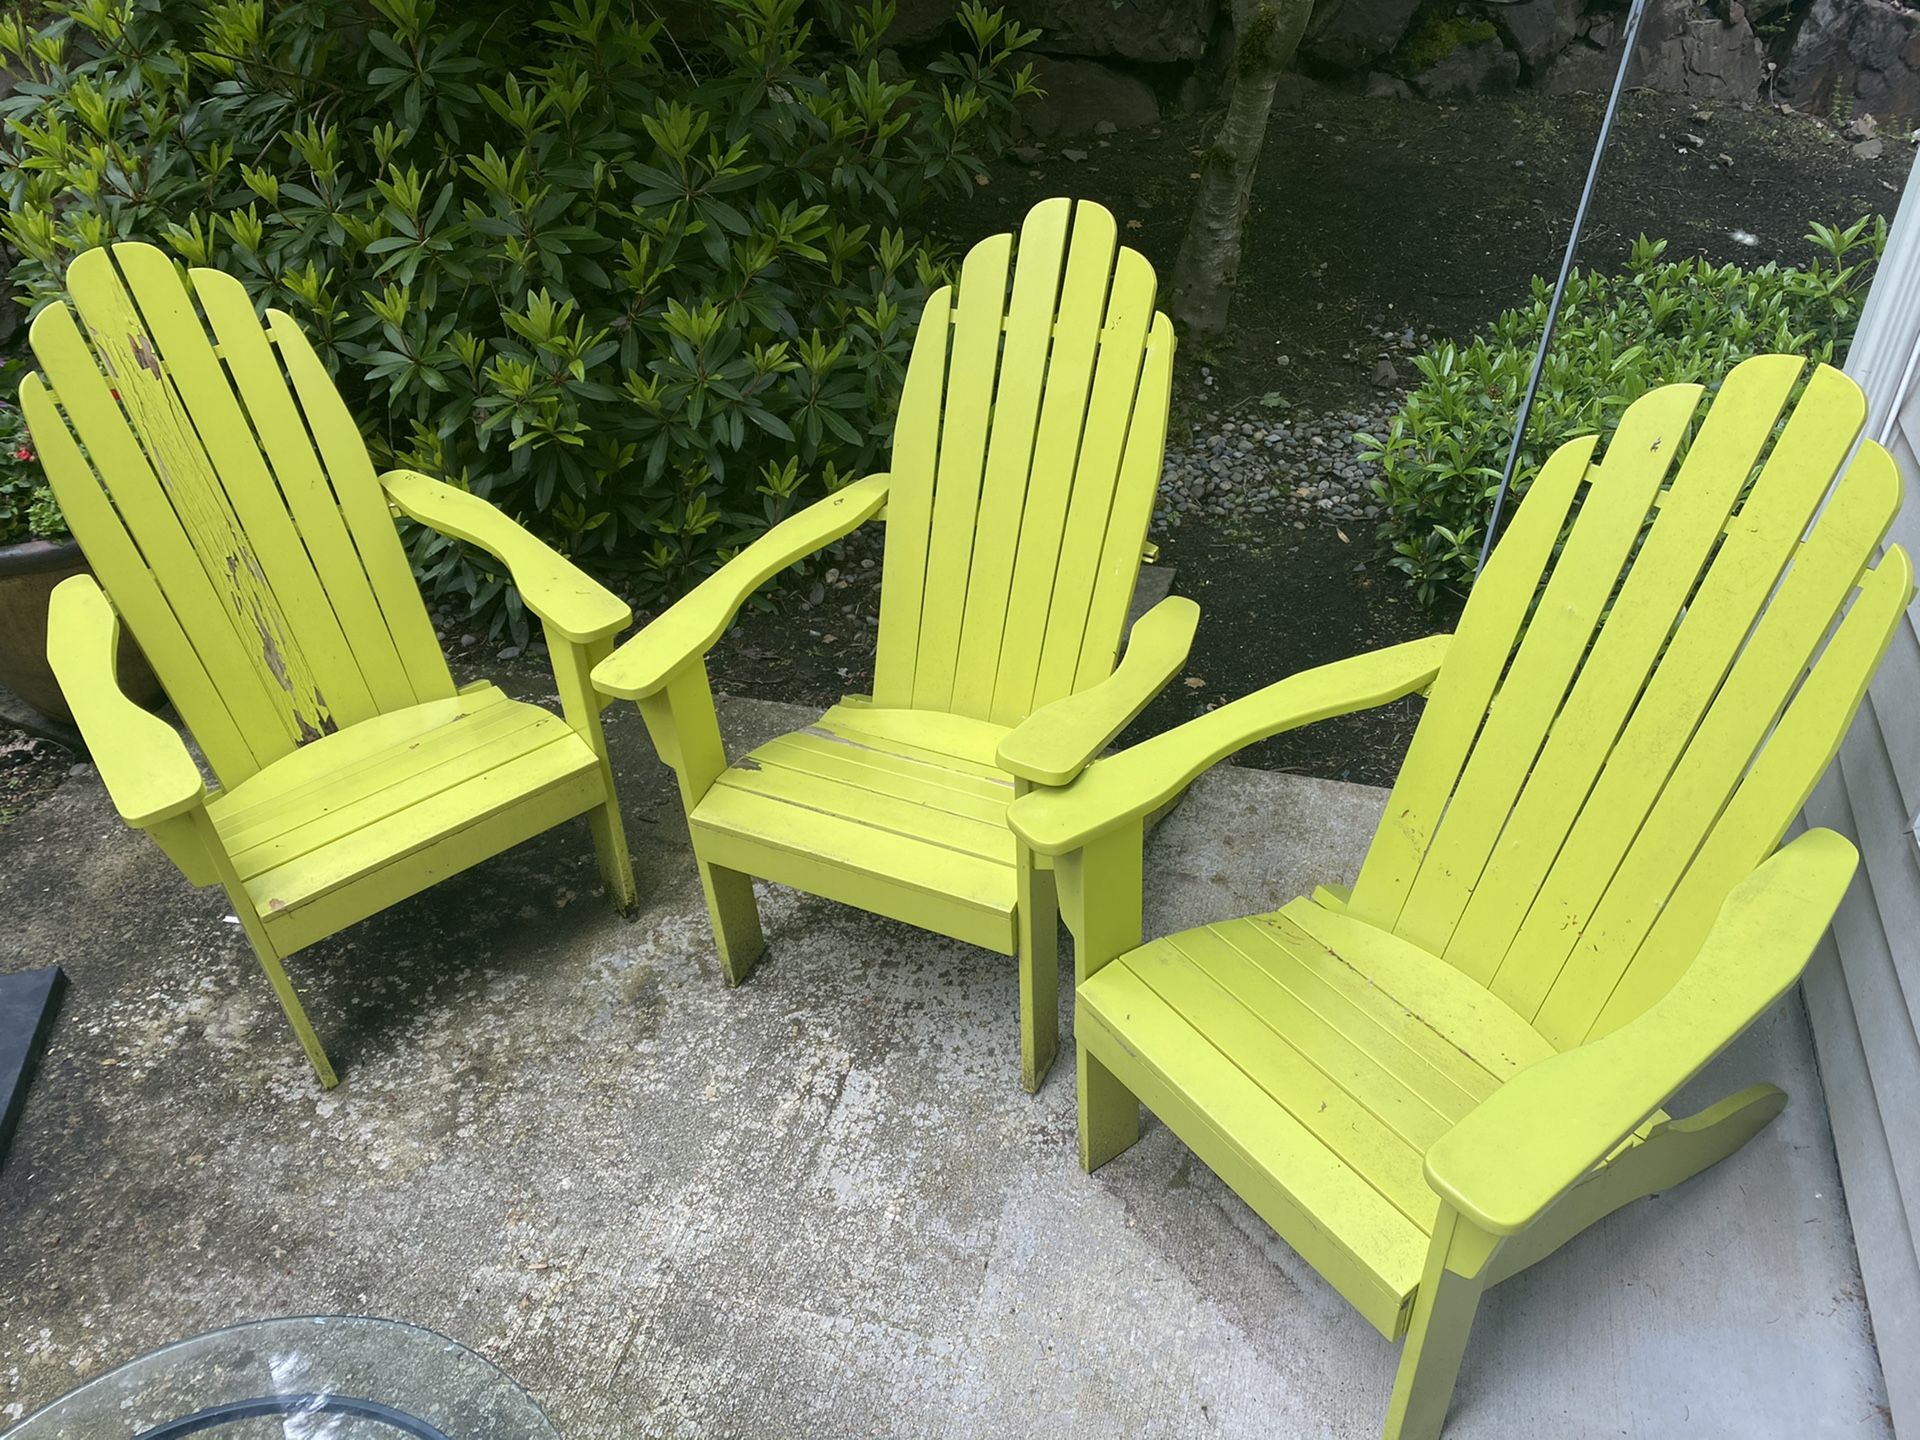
(818, 1205)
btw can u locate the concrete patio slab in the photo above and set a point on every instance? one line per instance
(815, 1206)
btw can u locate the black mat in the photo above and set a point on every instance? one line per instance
(27, 1003)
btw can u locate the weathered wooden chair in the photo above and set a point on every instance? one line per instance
(1026, 457)
(1568, 909)
(226, 502)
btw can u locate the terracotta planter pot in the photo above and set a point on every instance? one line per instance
(28, 573)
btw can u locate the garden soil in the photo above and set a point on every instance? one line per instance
(1370, 218)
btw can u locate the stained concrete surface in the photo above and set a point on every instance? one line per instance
(816, 1206)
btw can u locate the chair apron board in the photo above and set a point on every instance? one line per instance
(851, 810)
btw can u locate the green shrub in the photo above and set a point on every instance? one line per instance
(646, 291)
(27, 507)
(1619, 336)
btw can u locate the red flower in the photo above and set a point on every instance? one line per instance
(23, 454)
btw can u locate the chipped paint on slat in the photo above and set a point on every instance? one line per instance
(206, 516)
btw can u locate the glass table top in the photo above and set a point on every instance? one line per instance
(317, 1377)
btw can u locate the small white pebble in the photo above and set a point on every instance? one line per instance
(1744, 237)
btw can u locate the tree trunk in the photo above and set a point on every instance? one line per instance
(1267, 32)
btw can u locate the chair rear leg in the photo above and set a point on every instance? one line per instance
(616, 865)
(1443, 1311)
(1708, 1136)
(736, 920)
(1673, 1152)
(1109, 1112)
(1039, 937)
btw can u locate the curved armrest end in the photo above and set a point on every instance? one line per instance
(1058, 741)
(1140, 780)
(689, 627)
(575, 605)
(145, 765)
(1532, 1140)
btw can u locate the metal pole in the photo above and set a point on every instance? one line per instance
(1634, 17)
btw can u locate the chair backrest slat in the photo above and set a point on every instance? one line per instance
(1627, 726)
(1457, 704)
(382, 559)
(964, 426)
(1705, 775)
(371, 676)
(230, 549)
(1755, 820)
(1056, 456)
(1022, 474)
(270, 577)
(1137, 482)
(916, 448)
(1664, 575)
(1569, 609)
(1100, 503)
(1016, 415)
(120, 566)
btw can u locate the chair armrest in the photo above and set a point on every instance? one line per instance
(688, 628)
(144, 763)
(1058, 741)
(1138, 781)
(1532, 1140)
(572, 603)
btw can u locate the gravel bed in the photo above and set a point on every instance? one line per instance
(1267, 458)
(1301, 467)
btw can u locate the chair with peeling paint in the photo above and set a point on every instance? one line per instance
(1026, 457)
(227, 505)
(1572, 903)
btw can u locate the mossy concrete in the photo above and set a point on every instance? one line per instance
(818, 1205)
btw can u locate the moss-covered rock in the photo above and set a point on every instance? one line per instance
(1435, 36)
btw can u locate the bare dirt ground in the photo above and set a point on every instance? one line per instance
(1370, 217)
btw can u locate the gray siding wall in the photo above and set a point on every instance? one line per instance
(1863, 988)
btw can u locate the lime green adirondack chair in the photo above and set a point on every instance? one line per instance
(1568, 908)
(226, 502)
(1026, 456)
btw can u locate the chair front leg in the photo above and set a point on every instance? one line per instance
(1459, 1258)
(1100, 896)
(1039, 938)
(685, 728)
(572, 668)
(264, 950)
